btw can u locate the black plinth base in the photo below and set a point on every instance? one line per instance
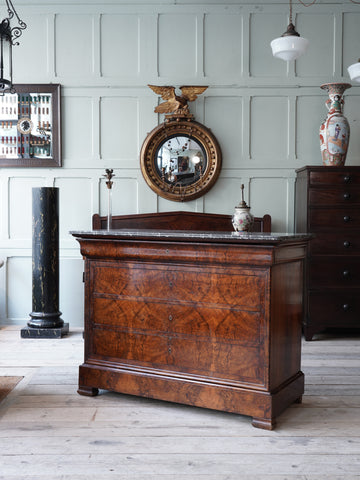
(30, 332)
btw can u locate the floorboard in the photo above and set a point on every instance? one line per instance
(49, 432)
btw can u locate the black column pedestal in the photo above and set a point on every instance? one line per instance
(45, 319)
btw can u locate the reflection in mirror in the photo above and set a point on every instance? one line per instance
(181, 160)
(25, 125)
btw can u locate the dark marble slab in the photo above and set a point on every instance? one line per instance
(194, 235)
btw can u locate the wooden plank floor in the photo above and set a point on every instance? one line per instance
(48, 431)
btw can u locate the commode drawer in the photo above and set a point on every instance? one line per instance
(180, 284)
(229, 324)
(178, 353)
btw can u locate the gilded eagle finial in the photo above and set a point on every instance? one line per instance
(176, 104)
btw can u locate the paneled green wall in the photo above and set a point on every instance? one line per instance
(264, 112)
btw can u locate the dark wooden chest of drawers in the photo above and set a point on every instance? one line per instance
(205, 319)
(328, 205)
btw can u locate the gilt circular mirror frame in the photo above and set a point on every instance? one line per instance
(180, 159)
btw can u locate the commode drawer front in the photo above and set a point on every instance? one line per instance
(336, 272)
(346, 195)
(337, 309)
(180, 353)
(230, 324)
(175, 283)
(334, 177)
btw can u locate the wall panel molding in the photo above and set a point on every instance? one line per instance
(264, 112)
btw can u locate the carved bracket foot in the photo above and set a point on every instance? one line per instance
(264, 423)
(88, 391)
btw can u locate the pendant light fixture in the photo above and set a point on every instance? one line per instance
(290, 45)
(8, 37)
(354, 71)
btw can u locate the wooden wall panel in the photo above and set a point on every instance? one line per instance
(38, 52)
(19, 291)
(74, 202)
(20, 206)
(71, 289)
(310, 112)
(119, 45)
(77, 131)
(320, 57)
(266, 26)
(264, 112)
(351, 37)
(269, 129)
(177, 45)
(275, 190)
(74, 45)
(226, 195)
(223, 53)
(119, 125)
(124, 196)
(224, 115)
(352, 109)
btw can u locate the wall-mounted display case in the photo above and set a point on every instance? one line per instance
(30, 126)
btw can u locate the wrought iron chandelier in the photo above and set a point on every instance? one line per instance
(291, 45)
(8, 38)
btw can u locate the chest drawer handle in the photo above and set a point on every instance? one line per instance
(346, 273)
(347, 178)
(346, 244)
(346, 307)
(346, 218)
(346, 196)
(170, 317)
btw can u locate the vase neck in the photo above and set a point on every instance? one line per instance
(336, 103)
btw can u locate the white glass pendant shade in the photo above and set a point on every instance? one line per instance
(354, 71)
(289, 47)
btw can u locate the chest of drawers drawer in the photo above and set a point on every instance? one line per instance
(347, 195)
(335, 310)
(334, 176)
(334, 272)
(336, 243)
(333, 219)
(328, 205)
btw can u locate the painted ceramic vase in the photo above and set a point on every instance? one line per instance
(242, 219)
(335, 129)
